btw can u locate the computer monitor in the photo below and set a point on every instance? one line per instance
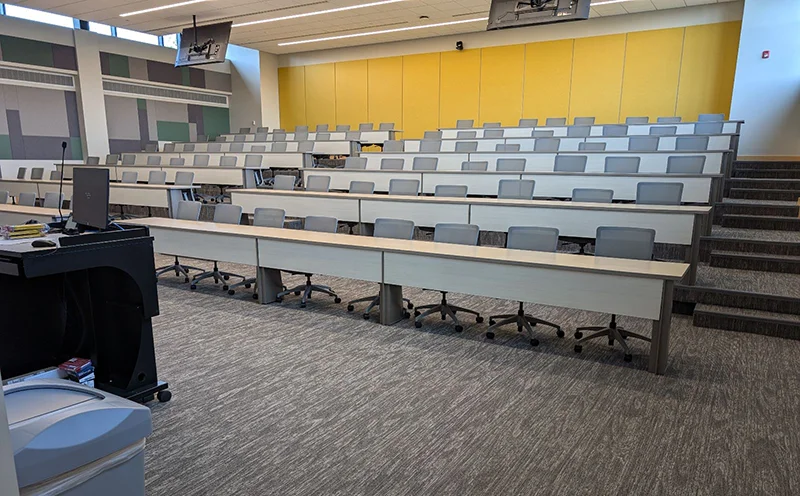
(90, 197)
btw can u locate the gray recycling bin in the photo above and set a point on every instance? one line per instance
(72, 440)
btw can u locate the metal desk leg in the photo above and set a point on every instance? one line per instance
(269, 284)
(659, 346)
(391, 304)
(249, 180)
(173, 197)
(693, 251)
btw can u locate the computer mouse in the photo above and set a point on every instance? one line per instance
(43, 243)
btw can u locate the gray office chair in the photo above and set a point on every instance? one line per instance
(615, 130)
(461, 234)
(258, 149)
(691, 143)
(190, 147)
(663, 130)
(301, 136)
(53, 200)
(352, 136)
(185, 178)
(432, 135)
(393, 146)
(393, 229)
(278, 136)
(668, 120)
(228, 161)
(284, 182)
(532, 239)
(366, 126)
(570, 163)
(151, 147)
(466, 146)
(154, 160)
(202, 138)
(279, 147)
(622, 165)
(224, 213)
(320, 184)
(637, 120)
(321, 128)
(510, 164)
(130, 177)
(361, 187)
(516, 189)
(187, 210)
(407, 187)
(244, 130)
(262, 217)
(393, 163)
(693, 164)
(55, 175)
(494, 133)
(236, 148)
(592, 195)
(21, 172)
(555, 121)
(618, 242)
(546, 145)
(659, 193)
(323, 136)
(316, 224)
(37, 173)
(430, 146)
(177, 161)
(221, 139)
(386, 126)
(710, 117)
(261, 137)
(475, 166)
(643, 143)
(543, 133)
(214, 147)
(305, 147)
(169, 147)
(342, 128)
(528, 122)
(112, 159)
(708, 128)
(578, 131)
(4, 197)
(157, 177)
(26, 199)
(466, 135)
(301, 129)
(451, 190)
(201, 160)
(584, 121)
(355, 163)
(465, 123)
(487, 125)
(507, 148)
(92, 160)
(128, 159)
(425, 163)
(593, 146)
(263, 129)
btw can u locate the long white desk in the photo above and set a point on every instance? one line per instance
(678, 225)
(248, 177)
(20, 214)
(642, 289)
(367, 137)
(332, 147)
(728, 127)
(269, 160)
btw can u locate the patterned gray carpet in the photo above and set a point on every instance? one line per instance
(287, 401)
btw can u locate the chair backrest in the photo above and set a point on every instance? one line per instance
(487, 125)
(239, 138)
(511, 164)
(301, 129)
(261, 137)
(532, 238)
(475, 166)
(151, 147)
(663, 130)
(202, 138)
(430, 146)
(305, 147)
(169, 147)
(321, 224)
(269, 217)
(555, 121)
(451, 190)
(466, 146)
(528, 122)
(456, 234)
(386, 126)
(318, 183)
(691, 143)
(615, 130)
(341, 128)
(301, 136)
(693, 164)
(393, 146)
(393, 228)
(157, 177)
(176, 161)
(236, 148)
(112, 159)
(366, 126)
(215, 147)
(323, 136)
(128, 159)
(188, 210)
(625, 242)
(189, 147)
(546, 144)
(543, 133)
(321, 128)
(359, 163)
(253, 160)
(710, 117)
(516, 189)
(592, 195)
(221, 139)
(279, 147)
(225, 213)
(154, 160)
(506, 148)
(228, 161)
(21, 172)
(280, 136)
(708, 128)
(622, 165)
(578, 131)
(637, 120)
(659, 193)
(494, 133)
(393, 163)
(584, 121)
(201, 160)
(432, 135)
(404, 187)
(244, 130)
(643, 143)
(352, 135)
(3, 197)
(570, 163)
(362, 187)
(96, 160)
(37, 173)
(258, 148)
(465, 123)
(262, 129)
(184, 178)
(52, 199)
(425, 163)
(669, 120)
(594, 146)
(130, 177)
(27, 199)
(283, 182)
(466, 134)
(55, 175)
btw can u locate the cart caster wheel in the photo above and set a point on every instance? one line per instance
(337, 300)
(479, 319)
(226, 277)
(366, 316)
(628, 358)
(302, 305)
(186, 279)
(560, 333)
(164, 396)
(416, 313)
(231, 292)
(578, 348)
(350, 308)
(489, 335)
(534, 342)
(418, 325)
(225, 287)
(297, 293)
(248, 286)
(193, 287)
(578, 334)
(279, 299)
(410, 306)
(406, 315)
(255, 296)
(459, 328)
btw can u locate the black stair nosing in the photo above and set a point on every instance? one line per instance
(765, 222)
(763, 194)
(759, 256)
(766, 174)
(753, 209)
(755, 262)
(726, 239)
(682, 289)
(747, 324)
(763, 184)
(788, 164)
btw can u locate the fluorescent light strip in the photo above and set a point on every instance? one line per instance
(165, 7)
(385, 31)
(318, 12)
(606, 2)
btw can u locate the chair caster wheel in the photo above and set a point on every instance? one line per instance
(337, 300)
(578, 334)
(416, 313)
(492, 322)
(406, 315)
(578, 348)
(489, 335)
(279, 299)
(611, 342)
(164, 396)
(410, 306)
(186, 279)
(255, 296)
(302, 305)
(459, 328)
(418, 325)
(628, 358)
(231, 292)
(366, 316)
(560, 333)
(193, 287)
(248, 286)
(297, 293)
(519, 328)
(226, 277)
(534, 342)
(350, 308)
(479, 319)
(225, 287)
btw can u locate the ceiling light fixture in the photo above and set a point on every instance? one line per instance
(317, 12)
(385, 31)
(606, 2)
(165, 7)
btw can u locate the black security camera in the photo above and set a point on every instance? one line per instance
(459, 45)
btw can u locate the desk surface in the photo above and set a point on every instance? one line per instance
(635, 268)
(112, 184)
(25, 210)
(323, 170)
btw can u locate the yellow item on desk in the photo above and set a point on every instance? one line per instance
(22, 231)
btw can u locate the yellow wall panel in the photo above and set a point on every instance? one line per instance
(420, 94)
(385, 90)
(502, 73)
(548, 77)
(652, 69)
(320, 95)
(460, 87)
(708, 69)
(597, 78)
(351, 93)
(292, 96)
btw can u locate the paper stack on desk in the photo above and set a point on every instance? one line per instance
(23, 231)
(79, 370)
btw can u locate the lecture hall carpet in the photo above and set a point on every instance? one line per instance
(287, 401)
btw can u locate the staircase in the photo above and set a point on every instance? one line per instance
(749, 277)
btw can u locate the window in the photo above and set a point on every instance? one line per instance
(137, 36)
(39, 16)
(171, 40)
(96, 27)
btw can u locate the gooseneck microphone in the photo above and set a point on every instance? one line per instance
(61, 182)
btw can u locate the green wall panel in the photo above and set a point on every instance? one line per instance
(185, 77)
(216, 121)
(24, 51)
(76, 147)
(141, 104)
(172, 131)
(5, 146)
(118, 65)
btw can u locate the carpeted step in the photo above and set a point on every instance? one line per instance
(763, 194)
(790, 209)
(767, 165)
(690, 296)
(746, 320)
(755, 261)
(771, 223)
(749, 183)
(767, 173)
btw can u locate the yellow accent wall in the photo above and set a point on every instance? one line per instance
(679, 71)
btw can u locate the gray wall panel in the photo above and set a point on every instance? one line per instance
(43, 112)
(73, 120)
(15, 134)
(138, 68)
(218, 81)
(121, 115)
